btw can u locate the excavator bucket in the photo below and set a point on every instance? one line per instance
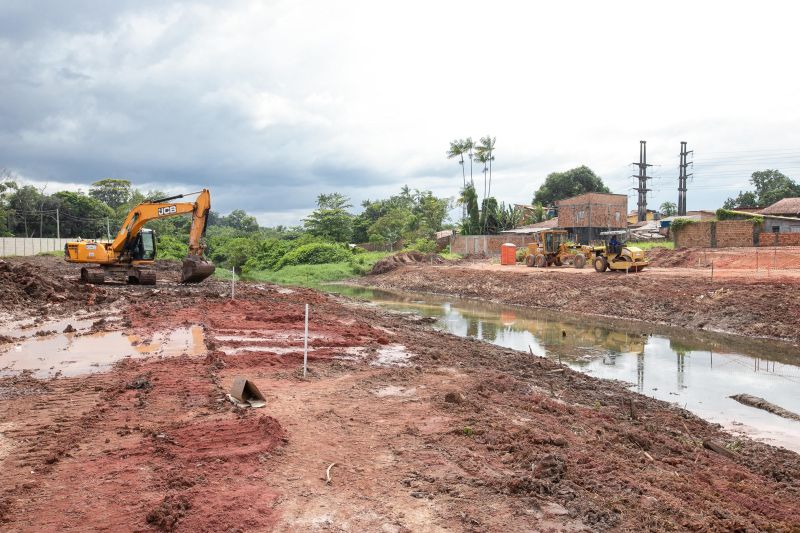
(195, 269)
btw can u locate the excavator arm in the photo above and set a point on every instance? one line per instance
(148, 211)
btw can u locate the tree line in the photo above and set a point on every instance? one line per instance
(412, 217)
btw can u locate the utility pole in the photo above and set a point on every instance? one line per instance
(108, 230)
(643, 177)
(682, 176)
(58, 226)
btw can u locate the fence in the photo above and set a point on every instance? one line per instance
(31, 246)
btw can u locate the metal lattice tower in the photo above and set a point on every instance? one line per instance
(643, 177)
(682, 177)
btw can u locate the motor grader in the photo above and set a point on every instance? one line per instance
(553, 247)
(133, 251)
(614, 255)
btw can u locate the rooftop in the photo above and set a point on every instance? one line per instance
(787, 206)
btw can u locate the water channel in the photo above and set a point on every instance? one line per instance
(697, 371)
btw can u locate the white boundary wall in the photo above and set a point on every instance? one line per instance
(21, 246)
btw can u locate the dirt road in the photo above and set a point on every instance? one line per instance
(425, 431)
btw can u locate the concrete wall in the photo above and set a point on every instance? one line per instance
(731, 234)
(22, 246)
(488, 245)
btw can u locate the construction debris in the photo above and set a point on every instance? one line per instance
(761, 403)
(244, 393)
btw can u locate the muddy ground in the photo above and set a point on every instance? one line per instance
(736, 300)
(425, 431)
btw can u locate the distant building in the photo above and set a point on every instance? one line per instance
(788, 207)
(633, 216)
(588, 214)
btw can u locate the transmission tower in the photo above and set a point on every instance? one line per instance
(682, 176)
(643, 177)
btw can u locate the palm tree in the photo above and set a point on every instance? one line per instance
(483, 157)
(469, 146)
(457, 149)
(486, 147)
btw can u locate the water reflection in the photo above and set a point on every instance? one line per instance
(699, 371)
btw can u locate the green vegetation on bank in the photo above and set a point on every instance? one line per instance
(649, 245)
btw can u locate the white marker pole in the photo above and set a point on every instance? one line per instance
(305, 346)
(233, 283)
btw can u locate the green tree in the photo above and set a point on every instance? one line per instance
(240, 220)
(390, 227)
(668, 209)
(83, 216)
(235, 252)
(7, 187)
(331, 220)
(745, 199)
(561, 185)
(430, 212)
(472, 224)
(457, 150)
(489, 221)
(773, 185)
(112, 192)
(770, 186)
(539, 214)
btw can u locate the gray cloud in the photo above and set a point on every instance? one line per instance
(271, 103)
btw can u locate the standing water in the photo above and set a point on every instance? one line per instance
(697, 371)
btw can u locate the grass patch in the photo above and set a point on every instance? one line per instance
(649, 245)
(312, 275)
(305, 274)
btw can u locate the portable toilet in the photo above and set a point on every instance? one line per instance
(508, 254)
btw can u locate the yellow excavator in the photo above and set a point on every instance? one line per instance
(132, 252)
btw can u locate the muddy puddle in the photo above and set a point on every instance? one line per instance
(73, 354)
(697, 371)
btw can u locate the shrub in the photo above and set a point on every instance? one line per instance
(727, 214)
(521, 254)
(425, 246)
(170, 247)
(679, 223)
(314, 254)
(267, 254)
(235, 252)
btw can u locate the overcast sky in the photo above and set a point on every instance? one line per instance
(270, 103)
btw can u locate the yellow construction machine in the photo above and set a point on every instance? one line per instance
(132, 253)
(553, 247)
(613, 255)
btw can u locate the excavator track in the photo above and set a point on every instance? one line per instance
(96, 276)
(142, 276)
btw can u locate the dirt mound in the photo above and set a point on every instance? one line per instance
(26, 284)
(387, 264)
(682, 257)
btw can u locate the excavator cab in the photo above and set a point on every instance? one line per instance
(143, 247)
